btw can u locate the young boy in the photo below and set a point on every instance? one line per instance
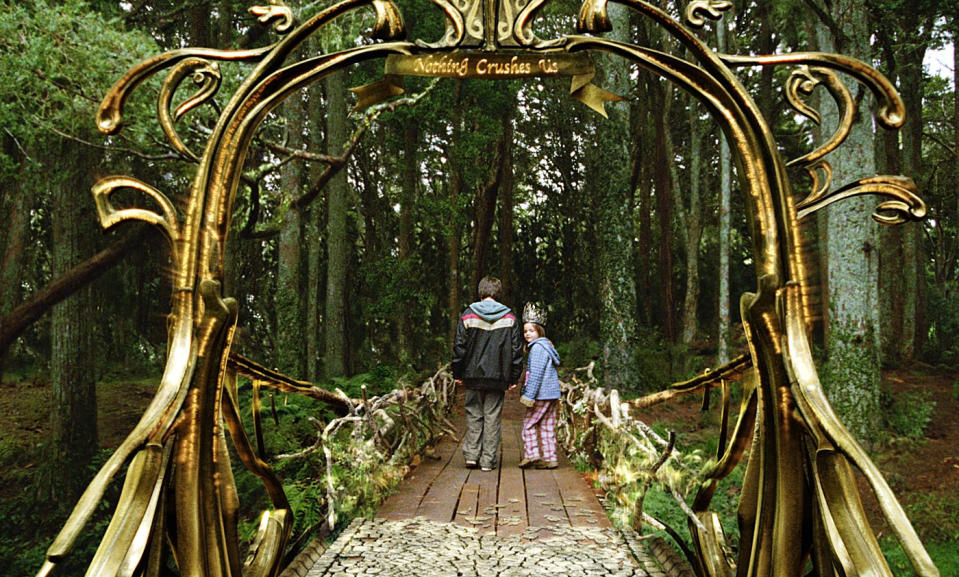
(487, 359)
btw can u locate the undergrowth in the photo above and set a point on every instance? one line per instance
(623, 471)
(362, 475)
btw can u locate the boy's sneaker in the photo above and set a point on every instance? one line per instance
(486, 469)
(527, 463)
(547, 465)
(470, 464)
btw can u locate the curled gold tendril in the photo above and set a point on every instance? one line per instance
(820, 187)
(802, 81)
(277, 12)
(593, 17)
(699, 10)
(206, 75)
(805, 80)
(110, 114)
(890, 110)
(389, 21)
(110, 215)
(905, 204)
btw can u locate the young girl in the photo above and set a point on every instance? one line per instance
(540, 394)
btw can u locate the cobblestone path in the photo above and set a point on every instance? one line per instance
(423, 547)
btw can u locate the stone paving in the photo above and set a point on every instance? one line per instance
(420, 546)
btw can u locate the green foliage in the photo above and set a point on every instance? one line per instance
(935, 517)
(942, 346)
(908, 414)
(579, 352)
(943, 555)
(381, 379)
(56, 61)
(32, 519)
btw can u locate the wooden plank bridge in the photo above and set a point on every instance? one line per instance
(447, 520)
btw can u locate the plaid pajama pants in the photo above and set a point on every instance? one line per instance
(539, 431)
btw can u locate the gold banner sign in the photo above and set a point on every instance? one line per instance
(490, 66)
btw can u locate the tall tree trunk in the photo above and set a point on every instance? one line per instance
(911, 89)
(609, 180)
(662, 182)
(291, 282)
(693, 226)
(15, 204)
(890, 253)
(338, 248)
(314, 225)
(506, 215)
(852, 374)
(315, 291)
(200, 29)
(73, 418)
(645, 249)
(453, 253)
(725, 193)
(411, 175)
(224, 24)
(484, 209)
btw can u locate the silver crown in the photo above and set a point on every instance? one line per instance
(532, 314)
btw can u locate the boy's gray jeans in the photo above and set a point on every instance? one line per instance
(483, 426)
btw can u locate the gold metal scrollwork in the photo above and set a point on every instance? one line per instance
(698, 11)
(276, 12)
(389, 21)
(206, 75)
(904, 206)
(109, 215)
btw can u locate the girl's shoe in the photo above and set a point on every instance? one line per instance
(547, 465)
(527, 463)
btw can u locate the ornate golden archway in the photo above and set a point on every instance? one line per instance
(800, 500)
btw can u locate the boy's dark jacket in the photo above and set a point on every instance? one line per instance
(488, 348)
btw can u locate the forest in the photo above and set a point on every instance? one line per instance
(359, 234)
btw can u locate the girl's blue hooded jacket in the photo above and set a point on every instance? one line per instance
(542, 380)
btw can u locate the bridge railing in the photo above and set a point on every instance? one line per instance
(628, 457)
(385, 432)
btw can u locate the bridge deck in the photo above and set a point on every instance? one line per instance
(447, 520)
(505, 500)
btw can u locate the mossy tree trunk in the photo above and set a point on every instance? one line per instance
(725, 226)
(608, 180)
(337, 239)
(851, 376)
(15, 204)
(693, 222)
(411, 175)
(506, 215)
(291, 282)
(73, 405)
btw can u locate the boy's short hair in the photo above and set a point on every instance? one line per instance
(489, 286)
